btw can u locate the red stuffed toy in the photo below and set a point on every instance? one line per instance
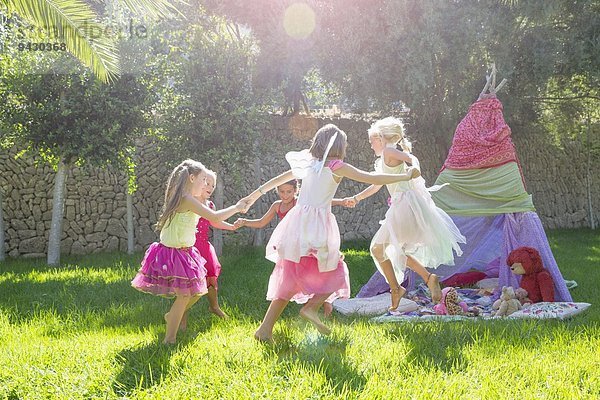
(536, 280)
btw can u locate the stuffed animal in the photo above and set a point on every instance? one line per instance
(536, 280)
(507, 303)
(450, 303)
(522, 296)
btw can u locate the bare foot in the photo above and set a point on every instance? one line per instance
(262, 337)
(433, 283)
(397, 294)
(327, 309)
(183, 323)
(218, 312)
(312, 317)
(166, 339)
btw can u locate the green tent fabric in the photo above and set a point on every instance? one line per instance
(485, 191)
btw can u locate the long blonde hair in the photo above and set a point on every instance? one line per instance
(177, 186)
(321, 140)
(391, 130)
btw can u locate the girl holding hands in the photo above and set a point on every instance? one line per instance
(287, 199)
(173, 267)
(415, 232)
(305, 246)
(206, 249)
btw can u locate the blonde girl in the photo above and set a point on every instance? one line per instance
(207, 250)
(415, 233)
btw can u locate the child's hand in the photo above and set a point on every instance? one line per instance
(350, 202)
(414, 172)
(249, 200)
(239, 223)
(243, 205)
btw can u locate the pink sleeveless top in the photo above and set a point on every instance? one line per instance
(280, 214)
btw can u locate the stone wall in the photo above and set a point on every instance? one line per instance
(95, 207)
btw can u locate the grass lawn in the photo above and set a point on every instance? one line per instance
(81, 332)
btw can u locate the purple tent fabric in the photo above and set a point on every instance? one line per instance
(489, 241)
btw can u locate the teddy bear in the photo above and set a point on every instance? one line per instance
(522, 296)
(536, 280)
(450, 304)
(507, 303)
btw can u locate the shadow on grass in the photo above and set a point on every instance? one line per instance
(62, 307)
(328, 354)
(143, 367)
(446, 345)
(95, 293)
(434, 345)
(324, 354)
(147, 365)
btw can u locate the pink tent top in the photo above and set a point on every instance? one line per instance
(482, 138)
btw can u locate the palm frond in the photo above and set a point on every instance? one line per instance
(75, 24)
(154, 9)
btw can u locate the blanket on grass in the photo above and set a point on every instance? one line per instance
(417, 306)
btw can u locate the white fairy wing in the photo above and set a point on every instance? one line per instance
(301, 162)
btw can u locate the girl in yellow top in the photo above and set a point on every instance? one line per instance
(173, 267)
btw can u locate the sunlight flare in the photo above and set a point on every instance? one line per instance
(299, 20)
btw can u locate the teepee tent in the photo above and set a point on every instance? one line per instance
(487, 199)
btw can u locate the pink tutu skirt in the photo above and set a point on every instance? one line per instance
(306, 231)
(300, 281)
(171, 272)
(414, 226)
(213, 267)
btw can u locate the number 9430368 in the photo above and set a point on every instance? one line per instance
(42, 46)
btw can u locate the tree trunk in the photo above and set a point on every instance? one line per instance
(2, 249)
(588, 178)
(217, 239)
(130, 237)
(259, 234)
(58, 206)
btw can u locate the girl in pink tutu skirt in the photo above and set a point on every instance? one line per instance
(173, 267)
(305, 246)
(287, 199)
(206, 249)
(415, 233)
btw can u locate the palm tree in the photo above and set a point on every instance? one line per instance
(74, 22)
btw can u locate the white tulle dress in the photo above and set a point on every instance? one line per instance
(415, 226)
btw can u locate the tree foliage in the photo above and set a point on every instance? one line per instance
(67, 119)
(283, 59)
(206, 105)
(74, 117)
(431, 56)
(82, 26)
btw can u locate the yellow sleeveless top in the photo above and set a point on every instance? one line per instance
(392, 188)
(181, 230)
